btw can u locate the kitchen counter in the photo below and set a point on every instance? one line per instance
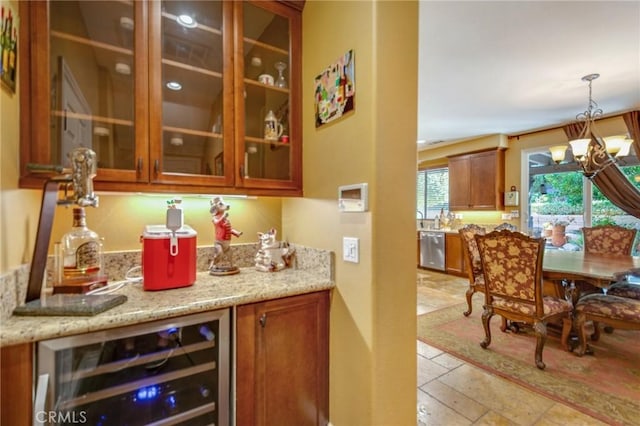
(208, 293)
(312, 271)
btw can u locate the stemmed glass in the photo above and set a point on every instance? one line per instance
(280, 81)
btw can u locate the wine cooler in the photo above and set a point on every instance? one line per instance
(169, 372)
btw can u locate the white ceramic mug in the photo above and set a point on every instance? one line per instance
(266, 79)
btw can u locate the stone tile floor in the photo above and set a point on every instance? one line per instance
(452, 392)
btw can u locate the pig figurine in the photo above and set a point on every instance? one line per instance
(223, 231)
(272, 255)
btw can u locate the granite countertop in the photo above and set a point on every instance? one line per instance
(208, 293)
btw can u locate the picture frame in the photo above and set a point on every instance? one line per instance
(335, 90)
(9, 57)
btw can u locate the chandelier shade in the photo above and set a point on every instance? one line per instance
(558, 153)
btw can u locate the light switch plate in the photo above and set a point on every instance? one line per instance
(350, 249)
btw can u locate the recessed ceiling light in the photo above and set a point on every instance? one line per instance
(174, 85)
(421, 141)
(186, 21)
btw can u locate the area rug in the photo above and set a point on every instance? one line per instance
(605, 385)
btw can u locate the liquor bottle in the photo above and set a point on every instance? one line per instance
(81, 251)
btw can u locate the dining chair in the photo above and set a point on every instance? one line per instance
(474, 267)
(512, 267)
(609, 240)
(615, 311)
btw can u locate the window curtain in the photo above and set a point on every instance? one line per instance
(611, 181)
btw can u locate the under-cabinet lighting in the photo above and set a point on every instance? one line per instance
(187, 21)
(174, 85)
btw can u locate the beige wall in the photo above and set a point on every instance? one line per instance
(373, 362)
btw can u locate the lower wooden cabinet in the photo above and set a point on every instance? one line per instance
(455, 258)
(282, 374)
(16, 379)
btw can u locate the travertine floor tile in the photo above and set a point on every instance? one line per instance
(455, 400)
(494, 419)
(562, 415)
(511, 400)
(447, 361)
(437, 414)
(428, 370)
(427, 351)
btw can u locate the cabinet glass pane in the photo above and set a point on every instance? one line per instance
(192, 89)
(266, 94)
(92, 69)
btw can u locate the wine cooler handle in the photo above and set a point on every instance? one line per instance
(263, 320)
(39, 413)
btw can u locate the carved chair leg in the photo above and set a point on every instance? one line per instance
(486, 319)
(503, 325)
(596, 332)
(582, 335)
(567, 323)
(540, 329)
(468, 295)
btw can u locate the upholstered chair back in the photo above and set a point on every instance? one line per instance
(468, 233)
(512, 265)
(609, 239)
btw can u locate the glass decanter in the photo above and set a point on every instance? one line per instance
(280, 81)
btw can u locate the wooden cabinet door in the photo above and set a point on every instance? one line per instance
(16, 385)
(459, 175)
(282, 361)
(487, 181)
(476, 181)
(454, 255)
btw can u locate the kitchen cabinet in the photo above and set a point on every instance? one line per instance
(455, 259)
(476, 181)
(282, 361)
(166, 92)
(16, 385)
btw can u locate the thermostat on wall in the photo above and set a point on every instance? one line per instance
(353, 198)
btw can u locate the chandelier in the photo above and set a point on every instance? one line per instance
(591, 151)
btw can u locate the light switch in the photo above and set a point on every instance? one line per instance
(350, 249)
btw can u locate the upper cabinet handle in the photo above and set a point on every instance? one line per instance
(156, 166)
(139, 165)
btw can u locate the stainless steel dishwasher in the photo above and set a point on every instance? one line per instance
(432, 250)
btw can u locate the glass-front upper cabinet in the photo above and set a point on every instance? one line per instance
(187, 73)
(93, 60)
(189, 96)
(269, 135)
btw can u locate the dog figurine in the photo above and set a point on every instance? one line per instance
(272, 255)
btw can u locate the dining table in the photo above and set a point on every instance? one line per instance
(597, 269)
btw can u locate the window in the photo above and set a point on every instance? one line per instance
(560, 193)
(432, 192)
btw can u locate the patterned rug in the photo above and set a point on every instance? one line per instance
(605, 385)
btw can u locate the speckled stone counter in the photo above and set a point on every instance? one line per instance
(312, 271)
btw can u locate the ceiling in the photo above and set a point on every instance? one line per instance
(510, 67)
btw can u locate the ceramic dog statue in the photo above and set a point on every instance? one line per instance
(272, 255)
(223, 232)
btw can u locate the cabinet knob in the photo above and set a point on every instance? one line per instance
(263, 320)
